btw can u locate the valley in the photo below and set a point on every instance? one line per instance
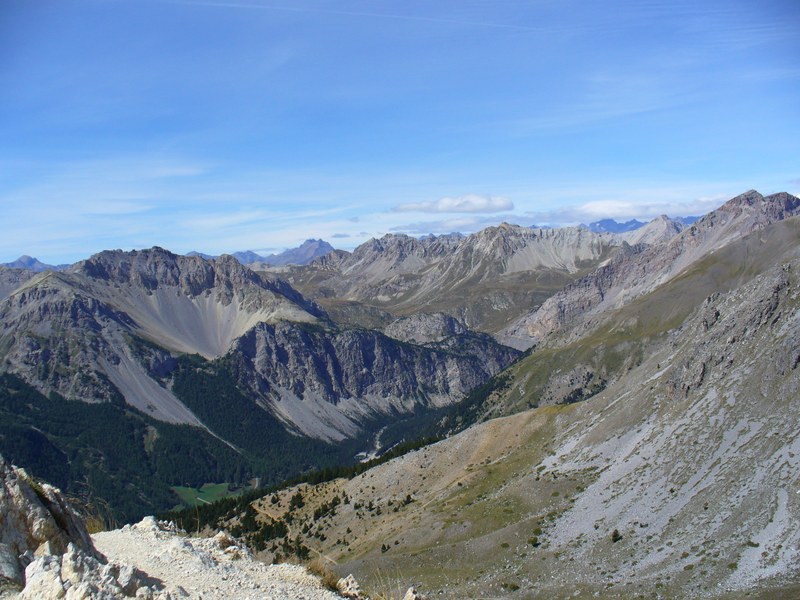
(615, 412)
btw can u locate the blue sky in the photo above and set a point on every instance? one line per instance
(228, 125)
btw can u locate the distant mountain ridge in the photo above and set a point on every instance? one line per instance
(481, 279)
(216, 372)
(302, 255)
(643, 267)
(32, 264)
(647, 440)
(613, 226)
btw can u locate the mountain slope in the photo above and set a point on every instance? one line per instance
(484, 279)
(681, 477)
(640, 269)
(147, 343)
(75, 332)
(188, 304)
(597, 347)
(331, 383)
(302, 255)
(11, 279)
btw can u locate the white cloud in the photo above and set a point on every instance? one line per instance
(470, 203)
(461, 225)
(623, 210)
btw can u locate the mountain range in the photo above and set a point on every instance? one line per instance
(32, 264)
(617, 410)
(303, 254)
(644, 444)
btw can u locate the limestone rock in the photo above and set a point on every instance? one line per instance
(413, 594)
(34, 518)
(424, 328)
(349, 588)
(44, 546)
(77, 576)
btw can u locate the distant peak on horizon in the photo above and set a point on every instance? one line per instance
(300, 255)
(32, 264)
(614, 226)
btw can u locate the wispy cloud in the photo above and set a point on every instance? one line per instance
(459, 224)
(469, 203)
(624, 210)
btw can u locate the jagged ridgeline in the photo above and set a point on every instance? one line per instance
(131, 373)
(646, 444)
(131, 376)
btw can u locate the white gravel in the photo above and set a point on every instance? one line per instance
(206, 568)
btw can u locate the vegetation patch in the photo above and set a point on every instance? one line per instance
(205, 494)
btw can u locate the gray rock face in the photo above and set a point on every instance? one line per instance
(484, 279)
(72, 332)
(640, 269)
(11, 279)
(191, 276)
(424, 328)
(302, 255)
(325, 382)
(35, 520)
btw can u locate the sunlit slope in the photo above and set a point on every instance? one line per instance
(577, 361)
(75, 332)
(680, 476)
(639, 270)
(485, 279)
(187, 304)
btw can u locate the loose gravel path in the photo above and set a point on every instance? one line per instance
(206, 568)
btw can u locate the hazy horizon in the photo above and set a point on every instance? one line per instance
(222, 126)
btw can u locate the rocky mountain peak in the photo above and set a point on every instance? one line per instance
(156, 267)
(302, 255)
(660, 229)
(30, 263)
(748, 198)
(775, 206)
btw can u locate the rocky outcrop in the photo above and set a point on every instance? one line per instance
(336, 379)
(77, 333)
(413, 594)
(640, 269)
(35, 520)
(45, 547)
(424, 328)
(348, 587)
(76, 575)
(46, 553)
(11, 279)
(483, 279)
